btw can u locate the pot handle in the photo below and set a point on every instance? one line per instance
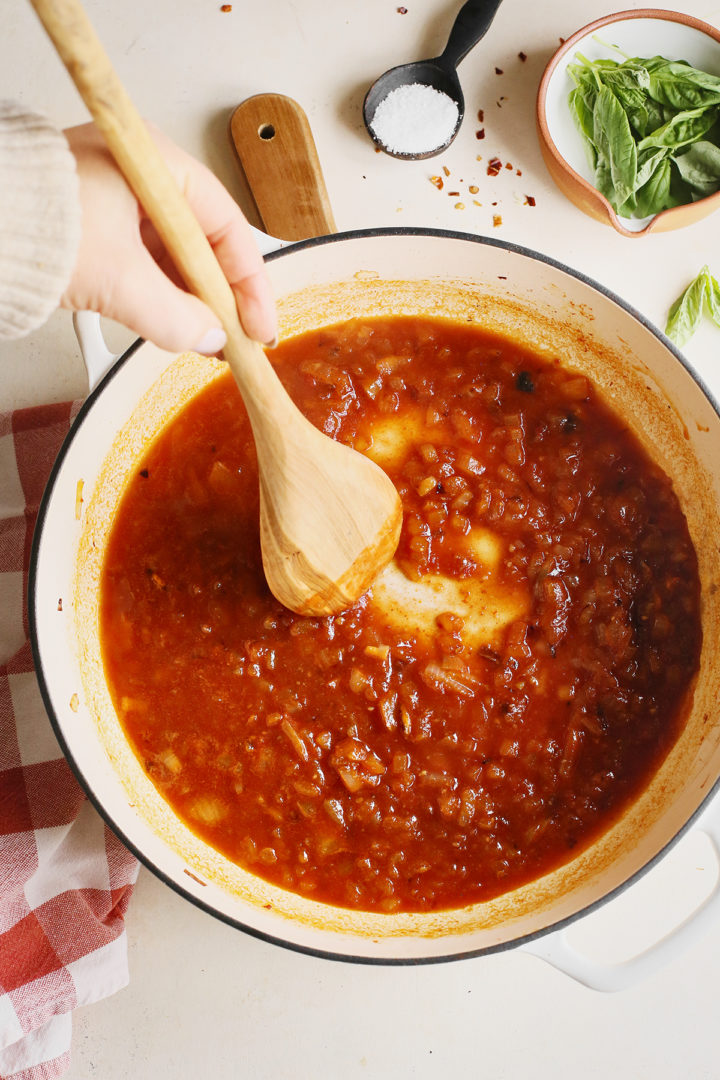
(555, 948)
(267, 243)
(98, 359)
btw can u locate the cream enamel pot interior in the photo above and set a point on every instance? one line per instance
(509, 289)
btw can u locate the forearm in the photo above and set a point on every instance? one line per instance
(39, 219)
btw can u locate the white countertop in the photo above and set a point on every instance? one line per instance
(205, 999)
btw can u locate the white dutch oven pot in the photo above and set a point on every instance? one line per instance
(537, 301)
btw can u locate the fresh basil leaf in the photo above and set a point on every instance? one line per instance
(604, 183)
(682, 193)
(699, 167)
(582, 96)
(634, 102)
(639, 121)
(584, 74)
(647, 118)
(684, 128)
(628, 208)
(628, 85)
(684, 87)
(614, 141)
(598, 67)
(583, 117)
(639, 70)
(712, 297)
(655, 196)
(652, 63)
(685, 314)
(648, 161)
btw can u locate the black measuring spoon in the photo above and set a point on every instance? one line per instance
(471, 24)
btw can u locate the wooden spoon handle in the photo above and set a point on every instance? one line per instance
(150, 178)
(275, 145)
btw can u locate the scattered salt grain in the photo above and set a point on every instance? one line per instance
(415, 119)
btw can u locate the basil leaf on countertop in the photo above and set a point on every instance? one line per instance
(685, 314)
(712, 297)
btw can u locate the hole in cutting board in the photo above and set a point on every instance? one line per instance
(266, 131)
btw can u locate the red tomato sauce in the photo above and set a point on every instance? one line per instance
(393, 764)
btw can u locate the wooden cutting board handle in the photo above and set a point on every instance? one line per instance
(275, 145)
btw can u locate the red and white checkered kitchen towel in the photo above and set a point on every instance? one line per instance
(65, 879)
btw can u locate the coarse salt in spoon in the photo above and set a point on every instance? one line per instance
(415, 110)
(329, 517)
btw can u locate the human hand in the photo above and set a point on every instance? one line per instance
(124, 272)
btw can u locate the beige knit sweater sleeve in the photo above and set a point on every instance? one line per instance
(39, 219)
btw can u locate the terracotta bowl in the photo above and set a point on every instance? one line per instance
(645, 32)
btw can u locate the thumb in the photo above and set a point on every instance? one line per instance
(148, 302)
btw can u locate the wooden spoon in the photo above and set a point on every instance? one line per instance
(329, 517)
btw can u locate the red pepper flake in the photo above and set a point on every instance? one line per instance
(480, 134)
(473, 189)
(499, 71)
(481, 115)
(518, 172)
(502, 277)
(453, 193)
(561, 40)
(477, 203)
(529, 200)
(437, 181)
(224, 7)
(446, 170)
(497, 220)
(59, 607)
(402, 11)
(494, 166)
(523, 56)
(479, 157)
(508, 165)
(459, 205)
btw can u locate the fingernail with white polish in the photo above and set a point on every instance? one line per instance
(211, 342)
